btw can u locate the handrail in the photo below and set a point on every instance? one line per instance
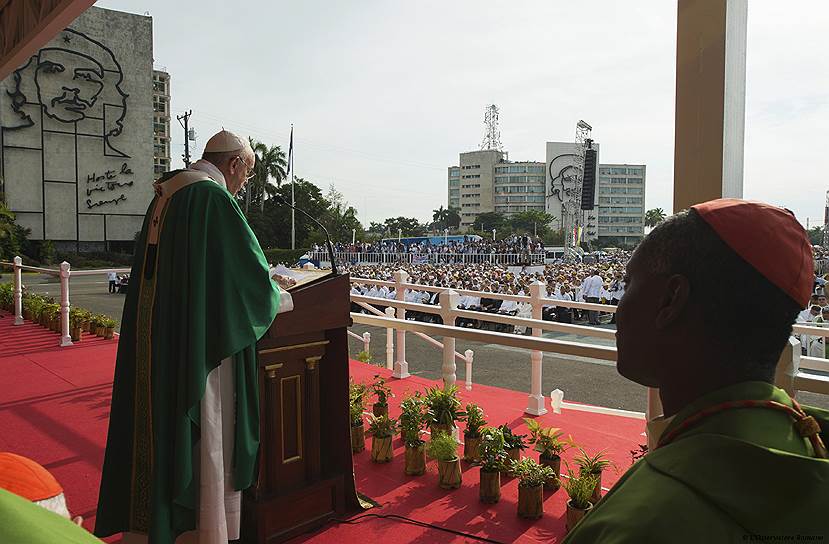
(100, 271)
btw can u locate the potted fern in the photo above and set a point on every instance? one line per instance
(475, 421)
(382, 392)
(580, 490)
(109, 327)
(593, 465)
(443, 409)
(412, 421)
(550, 446)
(493, 457)
(531, 479)
(444, 448)
(382, 430)
(356, 407)
(513, 443)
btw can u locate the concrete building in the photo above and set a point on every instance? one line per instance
(76, 132)
(161, 122)
(477, 178)
(560, 183)
(519, 187)
(621, 194)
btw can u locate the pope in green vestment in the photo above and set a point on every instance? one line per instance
(737, 474)
(24, 521)
(199, 293)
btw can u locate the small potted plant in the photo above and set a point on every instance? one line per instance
(75, 323)
(594, 465)
(382, 431)
(356, 407)
(443, 409)
(493, 457)
(109, 327)
(472, 434)
(412, 421)
(364, 357)
(580, 490)
(443, 447)
(531, 479)
(550, 446)
(382, 392)
(513, 443)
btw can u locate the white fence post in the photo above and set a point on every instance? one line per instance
(535, 401)
(65, 338)
(468, 354)
(448, 305)
(367, 342)
(788, 366)
(401, 367)
(389, 341)
(18, 291)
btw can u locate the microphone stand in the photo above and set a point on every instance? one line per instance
(325, 230)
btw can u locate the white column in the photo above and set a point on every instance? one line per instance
(710, 100)
(535, 401)
(18, 291)
(367, 342)
(65, 338)
(389, 341)
(788, 366)
(401, 367)
(448, 304)
(468, 354)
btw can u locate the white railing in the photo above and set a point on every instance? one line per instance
(64, 273)
(354, 257)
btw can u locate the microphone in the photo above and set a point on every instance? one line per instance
(325, 230)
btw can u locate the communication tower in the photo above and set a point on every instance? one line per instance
(492, 136)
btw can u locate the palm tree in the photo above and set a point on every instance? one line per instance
(654, 217)
(453, 217)
(441, 217)
(270, 165)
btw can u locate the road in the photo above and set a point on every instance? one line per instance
(582, 380)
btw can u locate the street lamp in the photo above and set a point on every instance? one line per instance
(353, 236)
(399, 234)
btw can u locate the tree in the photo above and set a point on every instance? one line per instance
(272, 225)
(270, 166)
(654, 217)
(440, 218)
(489, 220)
(408, 226)
(532, 221)
(453, 218)
(340, 218)
(816, 236)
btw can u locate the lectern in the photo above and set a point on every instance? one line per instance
(305, 473)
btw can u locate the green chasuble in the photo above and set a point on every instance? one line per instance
(22, 522)
(735, 476)
(199, 295)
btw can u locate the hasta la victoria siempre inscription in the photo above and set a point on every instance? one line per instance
(108, 181)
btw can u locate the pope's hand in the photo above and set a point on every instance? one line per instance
(284, 282)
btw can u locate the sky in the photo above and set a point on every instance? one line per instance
(384, 95)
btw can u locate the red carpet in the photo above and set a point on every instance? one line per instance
(54, 408)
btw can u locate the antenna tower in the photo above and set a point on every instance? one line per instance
(572, 214)
(492, 136)
(825, 243)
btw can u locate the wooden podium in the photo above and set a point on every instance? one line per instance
(305, 473)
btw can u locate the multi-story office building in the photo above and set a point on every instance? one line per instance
(161, 122)
(471, 184)
(519, 187)
(561, 170)
(621, 192)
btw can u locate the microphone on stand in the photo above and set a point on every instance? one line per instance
(325, 230)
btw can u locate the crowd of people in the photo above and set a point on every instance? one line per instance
(816, 314)
(469, 245)
(601, 283)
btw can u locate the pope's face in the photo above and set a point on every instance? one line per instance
(68, 84)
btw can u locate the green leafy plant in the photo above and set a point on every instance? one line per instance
(108, 322)
(97, 320)
(381, 390)
(475, 420)
(356, 402)
(51, 310)
(530, 473)
(591, 464)
(512, 440)
(381, 427)
(493, 454)
(6, 295)
(443, 406)
(75, 317)
(364, 356)
(442, 447)
(547, 440)
(412, 419)
(579, 488)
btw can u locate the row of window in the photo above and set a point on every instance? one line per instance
(471, 176)
(501, 199)
(520, 169)
(471, 166)
(620, 209)
(471, 186)
(620, 171)
(620, 190)
(471, 205)
(471, 195)
(454, 193)
(454, 172)
(507, 209)
(621, 181)
(620, 200)
(620, 230)
(520, 189)
(454, 182)
(613, 219)
(519, 179)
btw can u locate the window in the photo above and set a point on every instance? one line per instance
(454, 183)
(634, 191)
(471, 176)
(635, 171)
(454, 193)
(454, 172)
(471, 186)
(500, 199)
(536, 169)
(471, 166)
(501, 179)
(501, 169)
(518, 169)
(471, 195)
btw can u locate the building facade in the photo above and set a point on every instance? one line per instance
(621, 194)
(561, 169)
(76, 132)
(161, 122)
(519, 187)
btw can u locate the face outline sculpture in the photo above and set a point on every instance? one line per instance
(63, 98)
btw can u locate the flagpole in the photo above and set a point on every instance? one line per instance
(293, 199)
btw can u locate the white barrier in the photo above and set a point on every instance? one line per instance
(353, 257)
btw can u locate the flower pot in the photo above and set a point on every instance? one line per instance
(380, 410)
(100, 331)
(109, 332)
(449, 474)
(490, 490)
(76, 334)
(415, 460)
(358, 438)
(434, 429)
(574, 515)
(471, 453)
(555, 463)
(530, 501)
(56, 324)
(87, 326)
(381, 451)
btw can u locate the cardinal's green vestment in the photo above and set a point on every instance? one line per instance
(199, 293)
(740, 475)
